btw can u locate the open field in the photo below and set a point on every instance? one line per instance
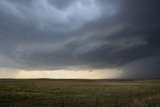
(79, 93)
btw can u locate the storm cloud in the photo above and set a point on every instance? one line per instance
(80, 34)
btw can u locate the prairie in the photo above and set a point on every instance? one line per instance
(79, 93)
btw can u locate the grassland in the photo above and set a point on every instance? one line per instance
(79, 93)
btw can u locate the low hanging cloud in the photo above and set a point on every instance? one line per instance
(93, 34)
(144, 68)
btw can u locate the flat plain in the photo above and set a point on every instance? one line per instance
(79, 93)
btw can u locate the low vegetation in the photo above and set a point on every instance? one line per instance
(79, 93)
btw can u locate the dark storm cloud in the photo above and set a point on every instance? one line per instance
(54, 34)
(144, 68)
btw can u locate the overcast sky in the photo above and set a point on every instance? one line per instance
(81, 36)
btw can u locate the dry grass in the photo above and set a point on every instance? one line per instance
(145, 102)
(83, 93)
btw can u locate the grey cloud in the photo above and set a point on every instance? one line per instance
(61, 4)
(54, 34)
(144, 68)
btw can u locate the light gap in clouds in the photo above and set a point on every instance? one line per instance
(64, 74)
